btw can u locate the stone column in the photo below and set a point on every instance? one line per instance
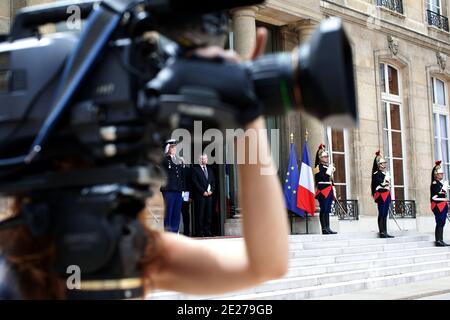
(305, 29)
(5, 16)
(316, 130)
(244, 28)
(16, 5)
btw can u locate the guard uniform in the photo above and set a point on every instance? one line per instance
(381, 192)
(172, 190)
(439, 204)
(324, 189)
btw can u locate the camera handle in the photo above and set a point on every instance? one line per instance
(101, 25)
(28, 20)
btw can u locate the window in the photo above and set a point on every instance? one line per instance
(441, 123)
(393, 128)
(434, 6)
(393, 5)
(338, 156)
(436, 15)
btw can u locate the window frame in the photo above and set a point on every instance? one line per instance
(431, 6)
(438, 111)
(388, 99)
(346, 158)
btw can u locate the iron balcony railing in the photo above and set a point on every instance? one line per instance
(403, 209)
(393, 5)
(346, 210)
(435, 19)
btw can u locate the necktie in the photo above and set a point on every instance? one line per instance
(205, 171)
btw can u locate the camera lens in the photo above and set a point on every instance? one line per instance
(317, 77)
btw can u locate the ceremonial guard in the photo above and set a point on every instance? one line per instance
(381, 192)
(173, 188)
(439, 202)
(323, 172)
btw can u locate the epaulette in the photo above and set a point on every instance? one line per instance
(434, 182)
(316, 170)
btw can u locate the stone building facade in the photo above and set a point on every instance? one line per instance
(400, 53)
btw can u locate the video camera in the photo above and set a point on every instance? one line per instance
(83, 116)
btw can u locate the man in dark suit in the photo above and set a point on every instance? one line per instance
(203, 185)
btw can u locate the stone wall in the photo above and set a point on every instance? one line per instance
(369, 27)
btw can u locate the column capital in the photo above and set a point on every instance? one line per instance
(244, 27)
(249, 11)
(304, 24)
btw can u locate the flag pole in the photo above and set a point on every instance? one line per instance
(306, 213)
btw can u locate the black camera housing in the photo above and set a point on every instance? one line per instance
(83, 117)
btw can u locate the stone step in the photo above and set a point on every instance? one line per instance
(342, 288)
(357, 242)
(366, 264)
(360, 249)
(321, 279)
(321, 265)
(297, 247)
(308, 238)
(315, 261)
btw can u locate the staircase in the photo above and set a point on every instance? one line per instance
(327, 265)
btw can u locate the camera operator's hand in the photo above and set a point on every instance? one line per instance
(215, 52)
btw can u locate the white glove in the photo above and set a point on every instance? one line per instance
(331, 169)
(387, 178)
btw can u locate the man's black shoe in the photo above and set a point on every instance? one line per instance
(440, 243)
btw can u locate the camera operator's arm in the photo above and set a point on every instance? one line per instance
(205, 267)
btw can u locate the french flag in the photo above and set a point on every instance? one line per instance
(305, 194)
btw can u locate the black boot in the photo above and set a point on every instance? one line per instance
(380, 227)
(323, 224)
(327, 221)
(439, 235)
(385, 228)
